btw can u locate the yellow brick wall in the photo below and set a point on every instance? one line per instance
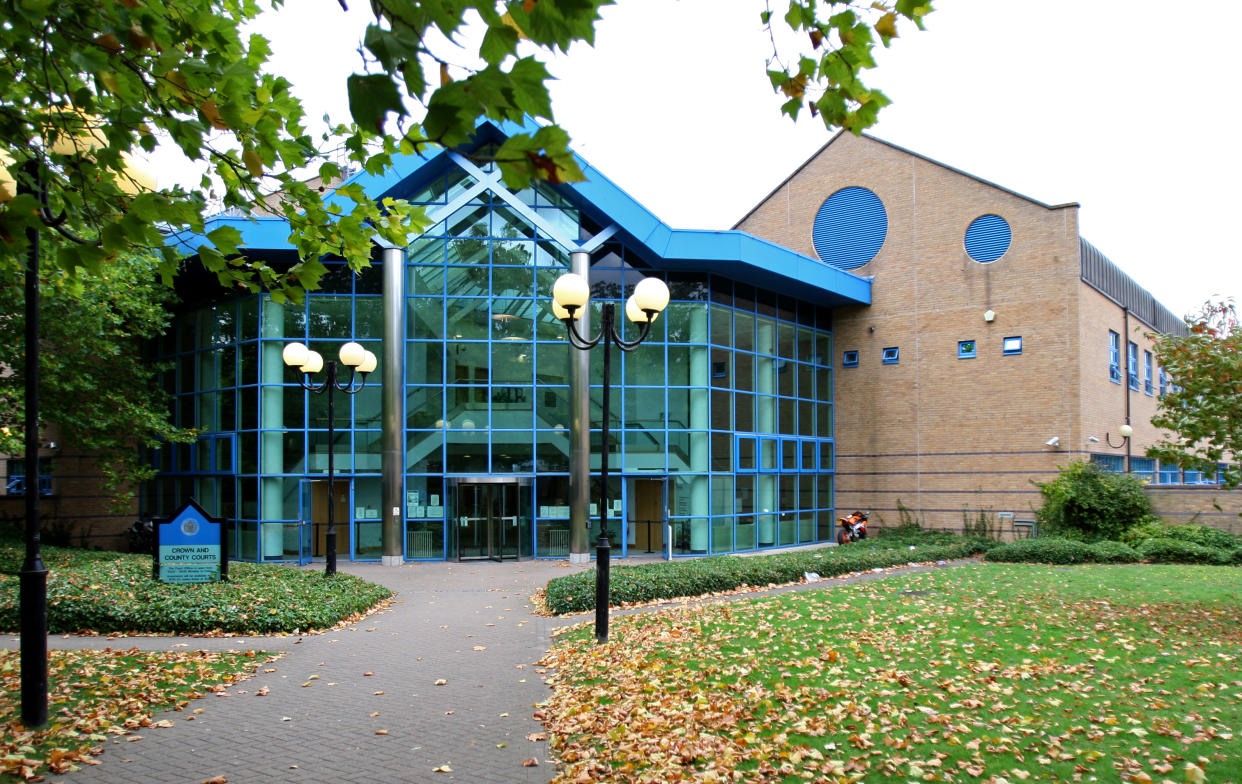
(935, 432)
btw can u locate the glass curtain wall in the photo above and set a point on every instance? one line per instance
(264, 438)
(727, 406)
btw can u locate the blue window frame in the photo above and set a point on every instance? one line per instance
(1147, 385)
(1114, 357)
(891, 355)
(1164, 382)
(966, 349)
(15, 481)
(1132, 365)
(1112, 464)
(1169, 475)
(1144, 468)
(1012, 345)
(849, 359)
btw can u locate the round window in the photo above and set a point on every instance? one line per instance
(987, 238)
(850, 228)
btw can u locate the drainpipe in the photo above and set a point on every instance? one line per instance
(1126, 321)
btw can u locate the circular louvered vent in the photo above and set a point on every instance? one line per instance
(987, 238)
(850, 228)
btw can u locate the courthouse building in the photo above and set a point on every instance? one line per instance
(881, 332)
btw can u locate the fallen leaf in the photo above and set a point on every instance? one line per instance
(381, 732)
(530, 763)
(442, 769)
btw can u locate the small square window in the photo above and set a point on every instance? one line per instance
(966, 349)
(891, 356)
(1012, 345)
(849, 359)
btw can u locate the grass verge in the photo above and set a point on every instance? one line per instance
(105, 592)
(98, 696)
(991, 673)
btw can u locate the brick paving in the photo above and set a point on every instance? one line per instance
(470, 625)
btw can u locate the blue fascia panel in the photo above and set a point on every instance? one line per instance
(257, 233)
(734, 253)
(745, 256)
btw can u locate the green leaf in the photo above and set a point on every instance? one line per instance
(371, 98)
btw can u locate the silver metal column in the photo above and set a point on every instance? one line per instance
(580, 428)
(392, 380)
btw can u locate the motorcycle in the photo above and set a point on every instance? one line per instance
(852, 528)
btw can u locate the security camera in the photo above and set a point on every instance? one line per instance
(1093, 439)
(1055, 440)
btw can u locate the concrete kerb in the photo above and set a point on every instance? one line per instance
(443, 679)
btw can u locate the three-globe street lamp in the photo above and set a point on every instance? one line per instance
(360, 362)
(569, 294)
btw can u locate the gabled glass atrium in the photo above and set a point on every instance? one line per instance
(721, 429)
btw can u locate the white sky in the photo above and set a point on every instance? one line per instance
(1130, 108)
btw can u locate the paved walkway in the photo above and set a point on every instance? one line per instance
(469, 625)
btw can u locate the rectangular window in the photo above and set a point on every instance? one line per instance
(891, 356)
(849, 359)
(1113, 464)
(1144, 468)
(1012, 345)
(15, 479)
(966, 349)
(1132, 365)
(1114, 357)
(1169, 474)
(1147, 385)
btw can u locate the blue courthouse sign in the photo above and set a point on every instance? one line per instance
(190, 547)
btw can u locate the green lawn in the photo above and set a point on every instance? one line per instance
(97, 696)
(992, 673)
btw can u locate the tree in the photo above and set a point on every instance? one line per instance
(96, 386)
(86, 85)
(1203, 410)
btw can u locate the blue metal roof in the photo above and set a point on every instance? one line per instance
(732, 253)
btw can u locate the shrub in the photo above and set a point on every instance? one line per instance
(1088, 504)
(1114, 552)
(1178, 551)
(700, 576)
(1148, 529)
(113, 592)
(1043, 549)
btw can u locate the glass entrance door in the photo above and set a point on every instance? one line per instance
(488, 520)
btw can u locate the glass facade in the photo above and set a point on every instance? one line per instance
(721, 422)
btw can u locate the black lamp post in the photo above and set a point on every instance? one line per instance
(360, 362)
(650, 297)
(32, 585)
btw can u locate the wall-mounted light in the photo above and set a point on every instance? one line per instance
(989, 316)
(1125, 431)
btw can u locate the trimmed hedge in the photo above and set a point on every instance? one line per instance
(1202, 535)
(1115, 552)
(701, 576)
(1044, 549)
(1177, 551)
(1055, 550)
